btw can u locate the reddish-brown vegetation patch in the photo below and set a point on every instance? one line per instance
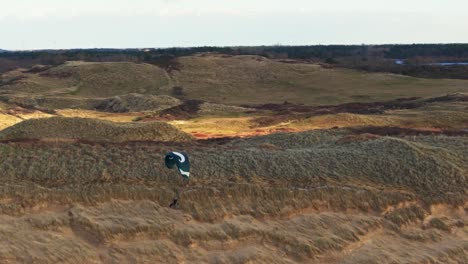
(288, 111)
(39, 68)
(19, 110)
(354, 108)
(449, 98)
(200, 135)
(284, 129)
(216, 141)
(11, 81)
(400, 131)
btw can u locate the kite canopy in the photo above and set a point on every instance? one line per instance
(179, 159)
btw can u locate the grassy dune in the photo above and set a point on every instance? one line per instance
(137, 102)
(34, 83)
(406, 118)
(283, 198)
(256, 80)
(92, 80)
(228, 80)
(59, 128)
(115, 104)
(421, 165)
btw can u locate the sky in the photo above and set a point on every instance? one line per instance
(61, 24)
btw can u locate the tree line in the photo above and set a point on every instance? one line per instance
(376, 58)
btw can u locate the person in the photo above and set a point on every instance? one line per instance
(179, 159)
(174, 203)
(178, 190)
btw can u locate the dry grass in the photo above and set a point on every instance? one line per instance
(114, 117)
(143, 231)
(50, 102)
(264, 123)
(138, 102)
(229, 80)
(221, 121)
(8, 120)
(282, 198)
(203, 127)
(219, 109)
(92, 80)
(256, 80)
(402, 118)
(59, 128)
(433, 171)
(33, 83)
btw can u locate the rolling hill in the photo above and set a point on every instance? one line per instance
(225, 79)
(291, 162)
(92, 130)
(312, 197)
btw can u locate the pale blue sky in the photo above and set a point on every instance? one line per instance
(33, 24)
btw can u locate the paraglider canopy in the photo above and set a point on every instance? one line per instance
(179, 159)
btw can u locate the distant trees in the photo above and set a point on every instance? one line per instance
(379, 58)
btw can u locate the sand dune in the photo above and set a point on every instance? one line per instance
(310, 200)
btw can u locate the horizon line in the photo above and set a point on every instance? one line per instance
(235, 46)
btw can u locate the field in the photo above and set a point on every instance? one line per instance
(292, 162)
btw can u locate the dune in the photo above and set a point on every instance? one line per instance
(60, 128)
